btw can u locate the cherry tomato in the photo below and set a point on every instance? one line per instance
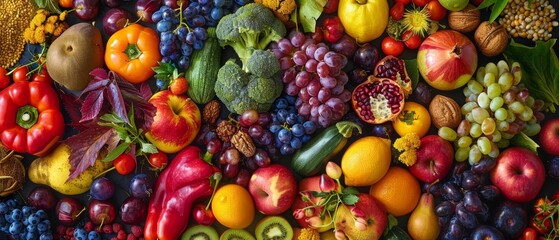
(529, 234)
(436, 11)
(421, 3)
(331, 6)
(42, 76)
(66, 3)
(20, 74)
(4, 79)
(405, 2)
(555, 195)
(411, 39)
(541, 205)
(158, 161)
(397, 11)
(317, 35)
(124, 164)
(391, 46)
(541, 223)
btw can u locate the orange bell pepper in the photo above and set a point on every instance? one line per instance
(132, 52)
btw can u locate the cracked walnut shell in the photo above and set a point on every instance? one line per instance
(242, 142)
(445, 112)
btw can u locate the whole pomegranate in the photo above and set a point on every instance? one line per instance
(378, 100)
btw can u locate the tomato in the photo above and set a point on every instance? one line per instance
(414, 118)
(421, 3)
(397, 11)
(331, 6)
(391, 46)
(66, 3)
(403, 1)
(529, 234)
(20, 74)
(158, 161)
(541, 223)
(4, 78)
(436, 11)
(411, 39)
(124, 164)
(42, 76)
(542, 205)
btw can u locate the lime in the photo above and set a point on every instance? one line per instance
(454, 5)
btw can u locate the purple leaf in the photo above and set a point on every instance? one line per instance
(72, 105)
(117, 102)
(145, 91)
(85, 147)
(99, 73)
(95, 85)
(92, 105)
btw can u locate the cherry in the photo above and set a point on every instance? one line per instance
(202, 215)
(68, 210)
(42, 197)
(101, 212)
(133, 210)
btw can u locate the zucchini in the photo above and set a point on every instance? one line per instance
(314, 155)
(202, 73)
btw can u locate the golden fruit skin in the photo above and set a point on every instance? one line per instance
(364, 20)
(366, 161)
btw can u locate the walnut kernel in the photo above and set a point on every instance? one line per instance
(211, 112)
(445, 112)
(242, 142)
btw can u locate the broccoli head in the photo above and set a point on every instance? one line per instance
(251, 27)
(240, 91)
(263, 63)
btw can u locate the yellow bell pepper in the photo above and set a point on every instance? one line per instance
(364, 20)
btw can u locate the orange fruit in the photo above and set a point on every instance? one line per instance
(398, 191)
(366, 161)
(413, 118)
(233, 207)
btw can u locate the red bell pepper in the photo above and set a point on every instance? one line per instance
(187, 178)
(30, 117)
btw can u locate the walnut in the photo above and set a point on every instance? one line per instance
(242, 142)
(211, 112)
(445, 112)
(225, 130)
(491, 38)
(465, 20)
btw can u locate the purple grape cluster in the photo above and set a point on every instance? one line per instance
(465, 200)
(314, 74)
(24, 222)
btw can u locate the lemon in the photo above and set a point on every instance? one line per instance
(366, 161)
(454, 5)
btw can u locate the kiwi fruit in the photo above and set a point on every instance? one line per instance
(200, 232)
(273, 228)
(236, 234)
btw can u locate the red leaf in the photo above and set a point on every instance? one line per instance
(92, 105)
(145, 91)
(85, 147)
(72, 106)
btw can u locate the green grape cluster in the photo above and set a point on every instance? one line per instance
(497, 108)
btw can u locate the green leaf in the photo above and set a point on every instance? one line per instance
(320, 194)
(41, 3)
(540, 69)
(350, 199)
(148, 148)
(309, 12)
(413, 71)
(111, 118)
(350, 190)
(121, 148)
(522, 140)
(497, 9)
(486, 3)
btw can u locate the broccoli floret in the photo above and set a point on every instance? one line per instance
(241, 91)
(263, 63)
(251, 27)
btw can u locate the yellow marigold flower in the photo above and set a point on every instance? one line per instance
(42, 11)
(408, 157)
(408, 141)
(52, 19)
(59, 29)
(309, 234)
(38, 20)
(49, 28)
(39, 35)
(63, 16)
(28, 35)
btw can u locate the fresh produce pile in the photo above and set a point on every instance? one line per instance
(289, 119)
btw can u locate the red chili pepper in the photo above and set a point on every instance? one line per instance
(30, 117)
(333, 29)
(186, 179)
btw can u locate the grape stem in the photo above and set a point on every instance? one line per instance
(181, 22)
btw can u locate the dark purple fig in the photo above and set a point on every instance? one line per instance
(367, 57)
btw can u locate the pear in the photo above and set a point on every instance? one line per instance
(423, 223)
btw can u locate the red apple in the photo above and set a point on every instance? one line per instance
(549, 137)
(370, 223)
(176, 122)
(306, 185)
(434, 159)
(447, 60)
(273, 189)
(519, 174)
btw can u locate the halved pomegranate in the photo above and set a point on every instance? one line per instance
(395, 69)
(378, 100)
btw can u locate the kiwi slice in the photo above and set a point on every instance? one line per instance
(236, 234)
(273, 228)
(200, 232)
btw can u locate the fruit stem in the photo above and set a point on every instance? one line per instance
(217, 178)
(103, 172)
(431, 185)
(340, 187)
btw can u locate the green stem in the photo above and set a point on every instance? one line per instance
(217, 177)
(346, 128)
